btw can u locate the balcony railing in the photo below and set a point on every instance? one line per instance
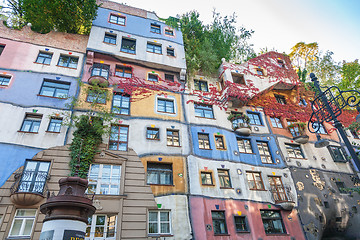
(282, 195)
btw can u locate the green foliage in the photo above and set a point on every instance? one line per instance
(206, 45)
(72, 16)
(243, 116)
(350, 74)
(303, 53)
(355, 126)
(325, 68)
(300, 125)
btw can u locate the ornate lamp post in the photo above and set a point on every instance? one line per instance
(327, 106)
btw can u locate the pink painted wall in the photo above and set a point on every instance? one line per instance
(201, 216)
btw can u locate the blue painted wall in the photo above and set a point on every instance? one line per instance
(12, 157)
(135, 25)
(231, 146)
(25, 87)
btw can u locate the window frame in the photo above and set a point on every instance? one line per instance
(277, 190)
(2, 48)
(276, 122)
(96, 97)
(173, 138)
(222, 175)
(110, 38)
(119, 135)
(34, 180)
(222, 219)
(130, 46)
(57, 126)
(167, 30)
(123, 71)
(69, 60)
(55, 86)
(245, 223)
(123, 99)
(205, 177)
(201, 85)
(267, 156)
(151, 77)
(106, 226)
(273, 219)
(44, 58)
(203, 140)
(158, 169)
(254, 121)
(257, 188)
(24, 220)
(238, 78)
(2, 80)
(335, 153)
(170, 52)
(280, 99)
(219, 142)
(202, 110)
(152, 131)
(340, 186)
(155, 28)
(99, 180)
(159, 222)
(30, 118)
(117, 19)
(244, 144)
(164, 103)
(293, 147)
(169, 77)
(322, 129)
(154, 48)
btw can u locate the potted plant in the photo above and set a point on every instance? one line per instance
(240, 123)
(297, 129)
(98, 81)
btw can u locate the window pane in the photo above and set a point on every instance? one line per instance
(16, 227)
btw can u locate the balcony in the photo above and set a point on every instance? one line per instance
(283, 197)
(29, 187)
(98, 81)
(297, 130)
(240, 123)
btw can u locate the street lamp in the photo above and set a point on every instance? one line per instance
(327, 106)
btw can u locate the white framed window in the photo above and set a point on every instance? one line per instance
(101, 227)
(104, 179)
(23, 223)
(159, 222)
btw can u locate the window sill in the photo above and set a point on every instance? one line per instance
(171, 56)
(128, 52)
(156, 32)
(114, 44)
(159, 235)
(173, 146)
(107, 196)
(52, 132)
(221, 234)
(18, 237)
(205, 117)
(95, 103)
(247, 153)
(205, 148)
(66, 67)
(264, 190)
(166, 112)
(50, 96)
(117, 23)
(28, 132)
(152, 139)
(243, 232)
(277, 234)
(120, 114)
(154, 184)
(298, 158)
(155, 53)
(208, 185)
(42, 64)
(226, 188)
(221, 149)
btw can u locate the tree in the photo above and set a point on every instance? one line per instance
(350, 75)
(325, 68)
(303, 53)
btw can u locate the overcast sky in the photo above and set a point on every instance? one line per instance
(280, 24)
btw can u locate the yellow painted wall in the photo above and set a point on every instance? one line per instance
(83, 104)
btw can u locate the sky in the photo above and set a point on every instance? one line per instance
(279, 24)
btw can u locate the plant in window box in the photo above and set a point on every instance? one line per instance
(354, 127)
(297, 129)
(240, 123)
(98, 81)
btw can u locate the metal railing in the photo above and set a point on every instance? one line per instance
(281, 194)
(30, 182)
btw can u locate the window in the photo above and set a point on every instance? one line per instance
(101, 226)
(56, 89)
(206, 178)
(44, 58)
(173, 138)
(170, 52)
(341, 187)
(201, 85)
(169, 77)
(128, 45)
(104, 179)
(337, 153)
(23, 223)
(276, 122)
(264, 152)
(99, 69)
(224, 178)
(165, 105)
(117, 19)
(219, 223)
(153, 134)
(272, 222)
(202, 110)
(277, 189)
(96, 97)
(260, 72)
(294, 151)
(239, 122)
(153, 77)
(255, 181)
(154, 48)
(2, 47)
(353, 133)
(241, 224)
(31, 123)
(219, 142)
(122, 71)
(121, 104)
(118, 137)
(244, 145)
(159, 173)
(319, 128)
(238, 78)
(68, 61)
(155, 28)
(169, 32)
(295, 131)
(281, 63)
(254, 118)
(280, 99)
(4, 80)
(159, 222)
(54, 125)
(34, 176)
(204, 142)
(110, 38)
(302, 102)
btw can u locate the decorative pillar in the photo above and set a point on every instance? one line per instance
(67, 213)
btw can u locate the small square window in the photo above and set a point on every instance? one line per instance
(2, 47)
(204, 142)
(281, 63)
(169, 32)
(99, 69)
(254, 118)
(280, 99)
(203, 110)
(96, 97)
(224, 178)
(153, 77)
(201, 85)
(244, 145)
(31, 123)
(159, 173)
(119, 137)
(294, 151)
(170, 52)
(219, 142)
(206, 178)
(264, 151)
(255, 181)
(110, 38)
(165, 105)
(153, 133)
(23, 223)
(159, 222)
(121, 104)
(155, 28)
(68, 61)
(273, 223)
(117, 19)
(4, 80)
(241, 224)
(295, 131)
(154, 48)
(341, 187)
(219, 223)
(128, 45)
(276, 122)
(52, 88)
(122, 71)
(44, 58)
(260, 72)
(169, 77)
(172, 138)
(54, 125)
(238, 78)
(103, 226)
(337, 153)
